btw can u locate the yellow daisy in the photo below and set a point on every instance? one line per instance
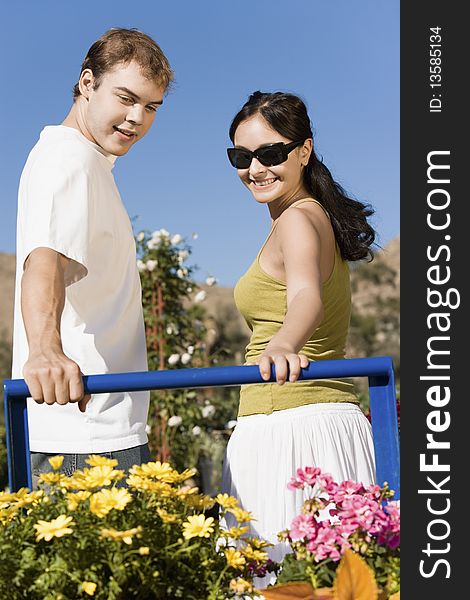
(200, 501)
(56, 462)
(240, 586)
(252, 554)
(166, 517)
(198, 526)
(105, 500)
(75, 498)
(96, 477)
(235, 558)
(95, 460)
(89, 587)
(124, 536)
(234, 532)
(226, 501)
(56, 528)
(242, 516)
(144, 550)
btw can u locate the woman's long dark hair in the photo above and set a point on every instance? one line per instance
(287, 114)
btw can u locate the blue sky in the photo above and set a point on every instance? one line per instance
(341, 57)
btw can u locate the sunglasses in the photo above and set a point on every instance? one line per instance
(269, 156)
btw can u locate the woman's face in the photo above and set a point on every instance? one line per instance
(277, 183)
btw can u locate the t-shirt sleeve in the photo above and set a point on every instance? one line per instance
(58, 211)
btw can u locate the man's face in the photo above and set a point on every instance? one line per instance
(121, 109)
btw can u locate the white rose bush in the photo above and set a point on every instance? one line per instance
(184, 424)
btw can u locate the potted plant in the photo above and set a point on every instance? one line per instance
(85, 536)
(345, 542)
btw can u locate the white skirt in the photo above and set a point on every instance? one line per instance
(264, 452)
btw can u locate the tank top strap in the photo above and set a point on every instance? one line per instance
(273, 227)
(297, 202)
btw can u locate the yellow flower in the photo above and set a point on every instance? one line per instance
(258, 544)
(234, 558)
(242, 516)
(166, 517)
(75, 498)
(240, 586)
(144, 550)
(234, 532)
(156, 469)
(125, 536)
(105, 500)
(95, 460)
(89, 587)
(22, 497)
(198, 526)
(56, 528)
(56, 462)
(52, 478)
(137, 482)
(226, 501)
(200, 501)
(252, 554)
(186, 491)
(96, 477)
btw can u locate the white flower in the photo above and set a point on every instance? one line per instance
(182, 273)
(151, 264)
(182, 256)
(208, 411)
(176, 239)
(174, 421)
(173, 359)
(148, 429)
(160, 233)
(190, 349)
(140, 236)
(200, 296)
(185, 358)
(141, 265)
(196, 430)
(210, 281)
(230, 424)
(189, 290)
(169, 330)
(153, 243)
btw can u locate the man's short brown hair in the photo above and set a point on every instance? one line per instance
(121, 46)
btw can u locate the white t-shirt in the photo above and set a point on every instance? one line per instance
(68, 201)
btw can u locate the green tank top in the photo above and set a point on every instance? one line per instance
(262, 300)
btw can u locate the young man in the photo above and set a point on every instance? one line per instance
(78, 302)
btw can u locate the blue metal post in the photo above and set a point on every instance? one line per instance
(383, 408)
(378, 369)
(17, 438)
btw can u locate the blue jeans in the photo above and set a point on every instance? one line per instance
(126, 459)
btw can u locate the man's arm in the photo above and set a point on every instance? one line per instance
(51, 376)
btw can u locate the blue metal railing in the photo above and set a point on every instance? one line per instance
(379, 370)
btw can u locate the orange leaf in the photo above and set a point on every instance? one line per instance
(291, 591)
(354, 579)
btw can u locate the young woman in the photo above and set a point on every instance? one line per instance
(296, 300)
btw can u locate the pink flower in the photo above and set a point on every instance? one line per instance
(303, 526)
(374, 492)
(347, 488)
(327, 543)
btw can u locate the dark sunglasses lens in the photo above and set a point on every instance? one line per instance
(270, 156)
(240, 159)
